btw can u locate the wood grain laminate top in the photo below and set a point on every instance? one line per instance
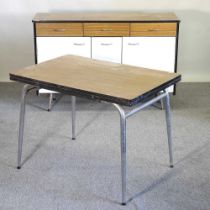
(107, 81)
(106, 17)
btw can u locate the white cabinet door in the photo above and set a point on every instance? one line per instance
(107, 48)
(150, 52)
(52, 47)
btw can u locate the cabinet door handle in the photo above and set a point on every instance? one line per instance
(106, 44)
(133, 44)
(79, 44)
(60, 29)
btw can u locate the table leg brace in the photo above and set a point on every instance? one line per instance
(123, 117)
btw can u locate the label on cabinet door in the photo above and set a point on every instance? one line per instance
(156, 53)
(107, 48)
(52, 47)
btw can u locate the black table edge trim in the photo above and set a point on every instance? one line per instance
(93, 95)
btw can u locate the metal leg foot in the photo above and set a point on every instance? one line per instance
(168, 123)
(73, 102)
(21, 124)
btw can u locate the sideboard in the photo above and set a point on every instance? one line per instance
(148, 40)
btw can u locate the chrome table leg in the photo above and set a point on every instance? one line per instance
(123, 156)
(123, 152)
(21, 124)
(123, 116)
(50, 102)
(73, 102)
(168, 124)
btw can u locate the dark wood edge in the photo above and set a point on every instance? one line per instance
(155, 91)
(93, 95)
(70, 91)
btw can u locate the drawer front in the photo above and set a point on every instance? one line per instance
(106, 29)
(52, 47)
(153, 29)
(107, 48)
(59, 29)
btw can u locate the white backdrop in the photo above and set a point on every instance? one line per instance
(16, 32)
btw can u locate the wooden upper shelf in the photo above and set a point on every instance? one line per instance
(112, 82)
(106, 17)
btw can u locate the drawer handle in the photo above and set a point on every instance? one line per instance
(153, 29)
(106, 29)
(133, 44)
(106, 44)
(79, 44)
(60, 30)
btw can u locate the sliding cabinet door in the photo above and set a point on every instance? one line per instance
(107, 48)
(150, 52)
(52, 47)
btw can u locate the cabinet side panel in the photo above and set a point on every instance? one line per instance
(35, 43)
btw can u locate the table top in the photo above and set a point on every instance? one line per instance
(90, 78)
(106, 16)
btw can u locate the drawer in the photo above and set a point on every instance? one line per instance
(59, 29)
(107, 48)
(153, 29)
(106, 29)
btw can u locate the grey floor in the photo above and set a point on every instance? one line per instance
(62, 174)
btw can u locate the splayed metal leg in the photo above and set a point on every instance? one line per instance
(123, 116)
(168, 125)
(50, 102)
(123, 152)
(21, 124)
(73, 102)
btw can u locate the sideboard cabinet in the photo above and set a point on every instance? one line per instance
(148, 40)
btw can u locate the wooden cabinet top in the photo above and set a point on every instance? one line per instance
(106, 17)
